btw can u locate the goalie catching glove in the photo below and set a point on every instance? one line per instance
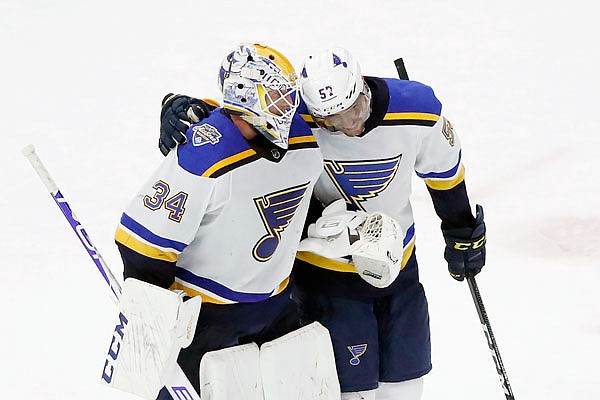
(373, 241)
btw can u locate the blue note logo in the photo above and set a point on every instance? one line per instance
(358, 181)
(113, 350)
(205, 134)
(357, 350)
(276, 211)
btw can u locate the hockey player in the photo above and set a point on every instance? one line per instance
(374, 132)
(222, 217)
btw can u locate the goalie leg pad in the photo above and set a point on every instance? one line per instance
(407, 390)
(231, 373)
(364, 395)
(154, 324)
(300, 366)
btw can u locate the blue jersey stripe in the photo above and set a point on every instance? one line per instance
(410, 233)
(219, 289)
(446, 174)
(147, 235)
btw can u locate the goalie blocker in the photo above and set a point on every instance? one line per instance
(153, 325)
(375, 242)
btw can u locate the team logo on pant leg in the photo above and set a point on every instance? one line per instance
(276, 211)
(358, 181)
(357, 350)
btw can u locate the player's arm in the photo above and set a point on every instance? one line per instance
(439, 164)
(178, 112)
(135, 265)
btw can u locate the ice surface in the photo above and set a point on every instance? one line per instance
(519, 80)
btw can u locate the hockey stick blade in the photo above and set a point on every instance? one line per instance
(491, 340)
(178, 385)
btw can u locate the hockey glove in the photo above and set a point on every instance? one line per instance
(465, 248)
(177, 114)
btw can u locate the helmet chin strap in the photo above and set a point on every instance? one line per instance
(254, 120)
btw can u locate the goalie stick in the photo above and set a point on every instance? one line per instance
(179, 386)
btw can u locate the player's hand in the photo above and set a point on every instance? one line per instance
(465, 248)
(177, 114)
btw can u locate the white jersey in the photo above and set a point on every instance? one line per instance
(373, 172)
(229, 218)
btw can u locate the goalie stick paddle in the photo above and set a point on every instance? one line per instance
(489, 335)
(178, 385)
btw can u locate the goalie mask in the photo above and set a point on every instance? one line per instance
(259, 83)
(335, 92)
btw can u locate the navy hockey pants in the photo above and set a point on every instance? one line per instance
(383, 339)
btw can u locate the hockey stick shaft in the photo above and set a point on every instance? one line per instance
(61, 202)
(489, 335)
(178, 385)
(401, 69)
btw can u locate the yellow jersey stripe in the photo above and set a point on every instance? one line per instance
(142, 248)
(302, 139)
(340, 266)
(194, 293)
(411, 115)
(228, 161)
(210, 299)
(307, 117)
(447, 184)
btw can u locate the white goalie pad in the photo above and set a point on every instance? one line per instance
(377, 255)
(296, 366)
(153, 325)
(300, 366)
(332, 234)
(231, 373)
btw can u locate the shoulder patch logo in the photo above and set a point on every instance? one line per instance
(361, 180)
(357, 350)
(204, 134)
(276, 211)
(448, 132)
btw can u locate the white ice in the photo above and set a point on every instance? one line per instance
(83, 81)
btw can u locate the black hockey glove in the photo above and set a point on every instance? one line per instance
(177, 114)
(465, 248)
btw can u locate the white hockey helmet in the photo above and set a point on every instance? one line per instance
(334, 90)
(260, 84)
